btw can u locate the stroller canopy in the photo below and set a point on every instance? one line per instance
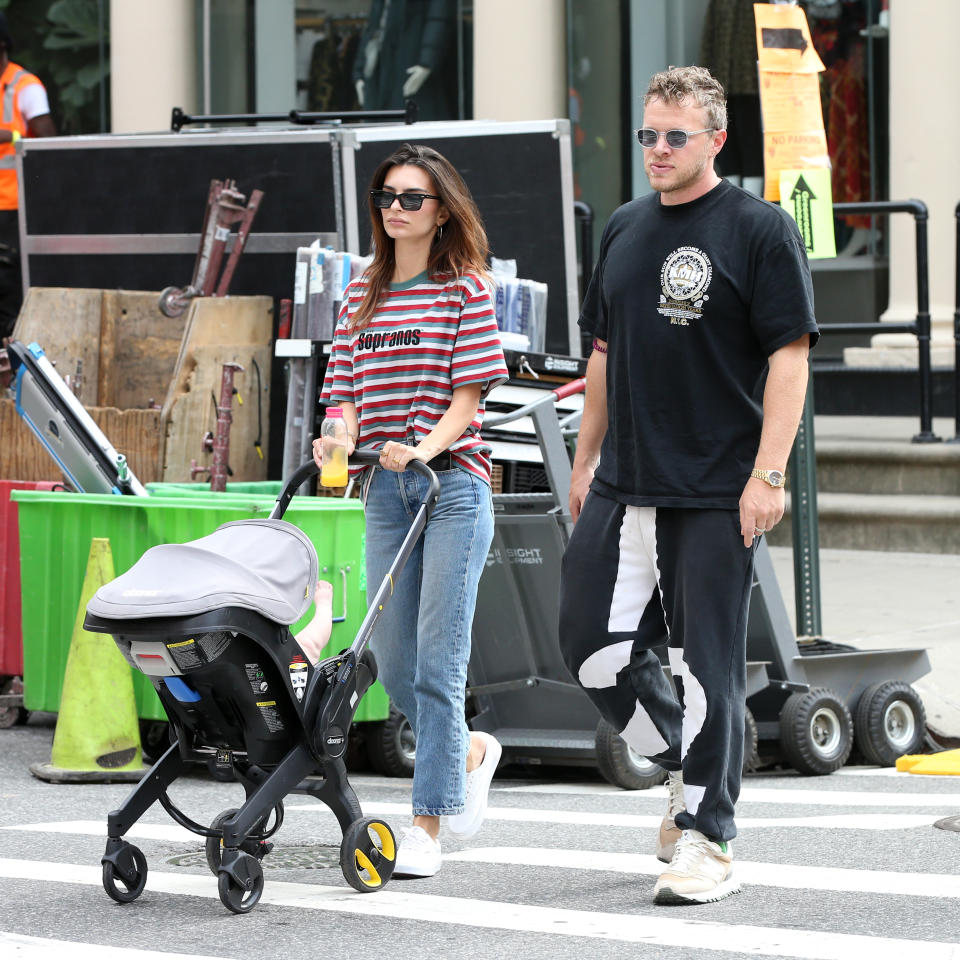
(265, 565)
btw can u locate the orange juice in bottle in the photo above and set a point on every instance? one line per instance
(333, 431)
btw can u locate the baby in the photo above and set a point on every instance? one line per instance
(316, 634)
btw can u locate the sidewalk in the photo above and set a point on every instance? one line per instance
(883, 600)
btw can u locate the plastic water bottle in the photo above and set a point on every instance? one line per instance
(333, 432)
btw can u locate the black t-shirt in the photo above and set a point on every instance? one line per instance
(692, 299)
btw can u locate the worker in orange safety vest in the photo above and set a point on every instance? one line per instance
(24, 112)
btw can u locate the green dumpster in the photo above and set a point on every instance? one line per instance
(55, 534)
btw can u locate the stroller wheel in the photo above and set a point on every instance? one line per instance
(131, 874)
(368, 854)
(214, 845)
(241, 885)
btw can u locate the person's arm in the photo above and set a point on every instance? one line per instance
(593, 428)
(761, 506)
(42, 126)
(450, 427)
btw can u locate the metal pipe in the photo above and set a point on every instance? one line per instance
(179, 119)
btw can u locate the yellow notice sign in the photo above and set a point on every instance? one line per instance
(806, 195)
(802, 150)
(783, 39)
(790, 101)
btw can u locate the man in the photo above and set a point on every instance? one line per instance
(25, 112)
(701, 309)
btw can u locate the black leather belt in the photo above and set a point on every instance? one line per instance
(442, 461)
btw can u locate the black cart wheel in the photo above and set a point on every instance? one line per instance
(623, 766)
(213, 846)
(816, 731)
(241, 897)
(155, 739)
(751, 742)
(890, 721)
(11, 716)
(368, 854)
(124, 884)
(392, 745)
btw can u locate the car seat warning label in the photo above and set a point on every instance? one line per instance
(271, 716)
(185, 654)
(258, 682)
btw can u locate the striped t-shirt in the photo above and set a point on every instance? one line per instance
(427, 337)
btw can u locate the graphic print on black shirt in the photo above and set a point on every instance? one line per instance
(684, 281)
(692, 299)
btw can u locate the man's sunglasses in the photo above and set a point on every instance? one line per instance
(408, 201)
(676, 139)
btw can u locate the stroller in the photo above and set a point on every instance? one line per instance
(208, 622)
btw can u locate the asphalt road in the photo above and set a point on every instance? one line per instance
(846, 866)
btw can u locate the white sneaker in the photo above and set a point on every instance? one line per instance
(467, 824)
(418, 854)
(701, 871)
(669, 831)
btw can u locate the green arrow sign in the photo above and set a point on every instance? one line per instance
(806, 195)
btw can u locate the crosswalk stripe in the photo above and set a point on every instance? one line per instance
(16, 946)
(762, 874)
(647, 928)
(778, 795)
(167, 832)
(583, 818)
(792, 876)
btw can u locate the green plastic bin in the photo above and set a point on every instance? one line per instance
(266, 488)
(55, 534)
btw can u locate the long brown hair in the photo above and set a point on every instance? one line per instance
(462, 246)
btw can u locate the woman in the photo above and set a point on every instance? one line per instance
(415, 352)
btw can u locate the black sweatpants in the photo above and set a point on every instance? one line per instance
(635, 578)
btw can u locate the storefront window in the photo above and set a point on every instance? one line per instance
(376, 54)
(599, 111)
(336, 56)
(66, 44)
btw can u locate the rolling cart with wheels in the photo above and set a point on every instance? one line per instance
(811, 702)
(208, 622)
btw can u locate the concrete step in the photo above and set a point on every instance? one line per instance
(911, 523)
(875, 466)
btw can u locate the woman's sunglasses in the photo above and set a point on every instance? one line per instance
(383, 199)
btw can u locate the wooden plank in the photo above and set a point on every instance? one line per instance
(137, 434)
(66, 323)
(134, 433)
(142, 346)
(191, 411)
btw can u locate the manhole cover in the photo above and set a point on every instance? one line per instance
(318, 856)
(949, 823)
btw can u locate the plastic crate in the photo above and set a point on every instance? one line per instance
(55, 535)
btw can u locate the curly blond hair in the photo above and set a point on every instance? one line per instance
(680, 85)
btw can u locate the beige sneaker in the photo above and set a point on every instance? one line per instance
(701, 871)
(669, 831)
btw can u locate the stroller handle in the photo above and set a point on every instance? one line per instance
(364, 457)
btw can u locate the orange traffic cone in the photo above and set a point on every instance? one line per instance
(97, 738)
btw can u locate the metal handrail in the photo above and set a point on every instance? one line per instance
(956, 338)
(919, 327)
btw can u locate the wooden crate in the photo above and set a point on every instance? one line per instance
(150, 382)
(136, 433)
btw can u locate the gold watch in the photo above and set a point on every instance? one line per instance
(774, 477)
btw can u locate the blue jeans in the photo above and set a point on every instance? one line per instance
(422, 639)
